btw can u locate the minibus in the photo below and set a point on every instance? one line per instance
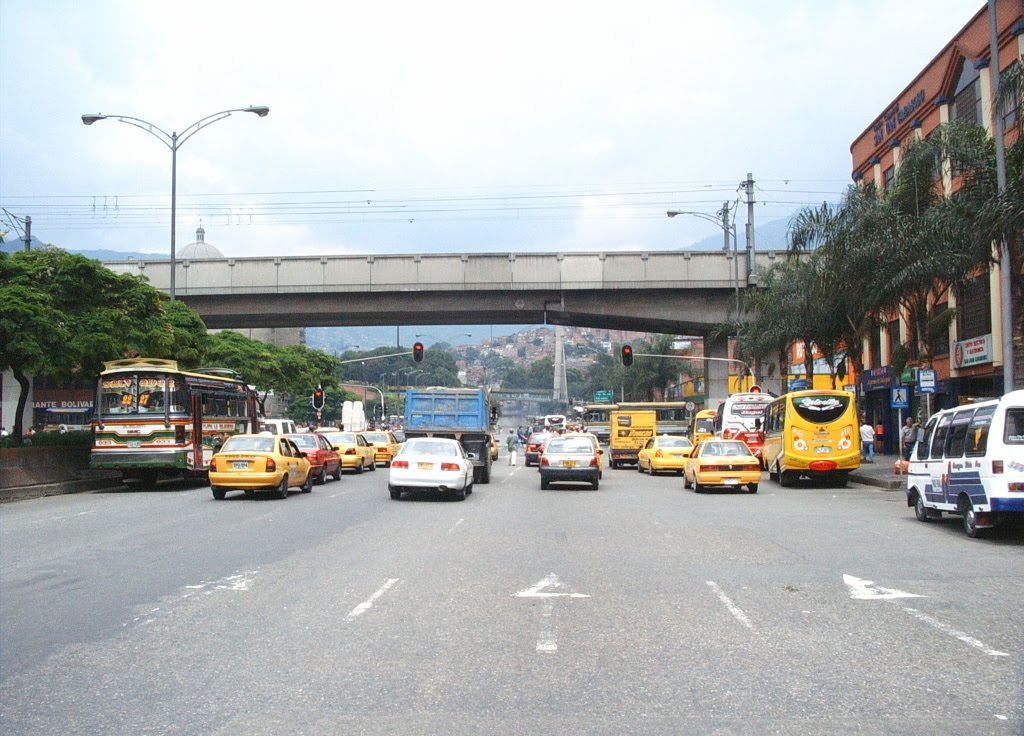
(971, 463)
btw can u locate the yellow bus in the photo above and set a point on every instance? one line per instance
(813, 434)
(703, 426)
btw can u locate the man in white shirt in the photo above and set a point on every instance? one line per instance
(867, 442)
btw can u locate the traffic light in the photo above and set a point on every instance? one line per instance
(417, 352)
(318, 398)
(627, 355)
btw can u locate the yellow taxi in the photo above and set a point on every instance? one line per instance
(727, 463)
(356, 453)
(664, 454)
(259, 462)
(385, 445)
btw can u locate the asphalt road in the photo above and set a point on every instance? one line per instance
(639, 608)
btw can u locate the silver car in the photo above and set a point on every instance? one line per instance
(573, 458)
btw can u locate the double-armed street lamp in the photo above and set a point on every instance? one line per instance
(174, 141)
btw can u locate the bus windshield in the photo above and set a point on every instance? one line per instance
(141, 393)
(821, 409)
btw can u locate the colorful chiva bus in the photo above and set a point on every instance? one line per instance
(740, 417)
(154, 419)
(811, 433)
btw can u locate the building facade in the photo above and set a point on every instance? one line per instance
(955, 86)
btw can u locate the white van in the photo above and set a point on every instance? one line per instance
(971, 463)
(277, 426)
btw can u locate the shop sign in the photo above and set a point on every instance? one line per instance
(877, 378)
(975, 351)
(908, 375)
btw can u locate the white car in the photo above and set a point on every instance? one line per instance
(431, 464)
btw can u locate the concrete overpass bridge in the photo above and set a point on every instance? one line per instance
(676, 292)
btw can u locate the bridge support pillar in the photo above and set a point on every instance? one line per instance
(716, 372)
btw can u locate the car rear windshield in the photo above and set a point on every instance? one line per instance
(674, 442)
(570, 447)
(303, 440)
(429, 448)
(249, 444)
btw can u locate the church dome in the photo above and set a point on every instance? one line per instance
(199, 249)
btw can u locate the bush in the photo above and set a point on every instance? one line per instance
(51, 439)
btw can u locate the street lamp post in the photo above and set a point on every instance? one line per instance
(174, 141)
(723, 222)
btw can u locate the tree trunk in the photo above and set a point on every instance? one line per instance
(25, 384)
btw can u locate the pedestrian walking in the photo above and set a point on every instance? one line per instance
(512, 443)
(867, 442)
(908, 438)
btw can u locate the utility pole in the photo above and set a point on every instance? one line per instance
(748, 185)
(28, 232)
(724, 212)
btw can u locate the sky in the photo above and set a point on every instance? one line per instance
(413, 127)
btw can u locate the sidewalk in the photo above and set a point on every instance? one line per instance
(880, 473)
(88, 481)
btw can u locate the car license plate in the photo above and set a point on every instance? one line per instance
(731, 481)
(568, 463)
(134, 443)
(240, 465)
(424, 466)
(823, 450)
(676, 455)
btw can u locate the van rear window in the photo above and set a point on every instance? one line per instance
(977, 432)
(1014, 433)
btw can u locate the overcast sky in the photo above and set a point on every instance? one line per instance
(413, 127)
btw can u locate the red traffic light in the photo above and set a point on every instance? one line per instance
(417, 352)
(318, 398)
(627, 355)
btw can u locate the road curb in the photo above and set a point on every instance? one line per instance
(41, 490)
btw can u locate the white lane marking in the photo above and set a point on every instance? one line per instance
(947, 629)
(452, 530)
(546, 642)
(735, 610)
(67, 516)
(549, 587)
(865, 590)
(368, 603)
(238, 581)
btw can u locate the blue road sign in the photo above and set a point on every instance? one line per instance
(900, 397)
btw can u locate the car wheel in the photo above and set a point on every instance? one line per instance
(360, 468)
(337, 473)
(544, 485)
(307, 485)
(752, 487)
(219, 493)
(686, 481)
(282, 488)
(697, 487)
(595, 485)
(639, 467)
(322, 477)
(373, 465)
(396, 493)
(460, 494)
(920, 511)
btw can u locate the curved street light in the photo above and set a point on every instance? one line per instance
(722, 220)
(174, 141)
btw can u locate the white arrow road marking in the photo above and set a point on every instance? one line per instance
(867, 590)
(549, 589)
(368, 603)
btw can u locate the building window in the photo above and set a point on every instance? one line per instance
(941, 346)
(1011, 105)
(893, 328)
(975, 308)
(967, 96)
(876, 348)
(890, 174)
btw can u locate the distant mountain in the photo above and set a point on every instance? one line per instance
(767, 236)
(14, 244)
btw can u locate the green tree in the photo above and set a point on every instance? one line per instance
(62, 315)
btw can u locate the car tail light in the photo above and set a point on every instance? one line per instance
(450, 466)
(350, 451)
(711, 468)
(400, 464)
(544, 461)
(997, 466)
(271, 465)
(213, 464)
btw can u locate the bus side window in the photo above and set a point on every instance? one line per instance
(939, 440)
(977, 432)
(922, 449)
(958, 433)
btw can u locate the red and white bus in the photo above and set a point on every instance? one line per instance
(741, 417)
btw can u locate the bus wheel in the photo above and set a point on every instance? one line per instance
(971, 519)
(919, 508)
(787, 478)
(773, 474)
